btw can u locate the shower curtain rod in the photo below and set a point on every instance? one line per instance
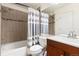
(22, 4)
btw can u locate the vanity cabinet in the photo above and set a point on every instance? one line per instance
(52, 50)
(60, 49)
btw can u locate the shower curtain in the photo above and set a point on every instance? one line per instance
(44, 23)
(34, 23)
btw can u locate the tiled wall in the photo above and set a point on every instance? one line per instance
(13, 25)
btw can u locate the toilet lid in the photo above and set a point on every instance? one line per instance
(36, 48)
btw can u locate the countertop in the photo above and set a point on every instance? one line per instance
(62, 39)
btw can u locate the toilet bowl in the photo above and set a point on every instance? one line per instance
(36, 50)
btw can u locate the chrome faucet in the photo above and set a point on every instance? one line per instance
(72, 34)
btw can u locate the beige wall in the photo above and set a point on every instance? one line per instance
(13, 25)
(61, 25)
(67, 19)
(76, 18)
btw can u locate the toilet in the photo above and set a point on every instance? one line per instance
(36, 50)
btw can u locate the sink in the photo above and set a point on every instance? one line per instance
(63, 35)
(35, 49)
(69, 39)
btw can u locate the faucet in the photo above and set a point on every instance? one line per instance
(72, 34)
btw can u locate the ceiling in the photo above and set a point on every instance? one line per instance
(46, 7)
(50, 10)
(37, 5)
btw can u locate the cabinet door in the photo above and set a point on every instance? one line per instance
(53, 51)
(57, 48)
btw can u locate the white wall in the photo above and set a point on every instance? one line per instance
(76, 18)
(66, 19)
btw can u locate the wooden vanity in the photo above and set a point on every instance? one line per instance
(55, 48)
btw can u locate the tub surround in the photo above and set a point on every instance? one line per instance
(14, 49)
(13, 25)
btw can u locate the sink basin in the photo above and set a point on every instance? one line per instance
(35, 49)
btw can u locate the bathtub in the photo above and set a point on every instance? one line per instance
(14, 49)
